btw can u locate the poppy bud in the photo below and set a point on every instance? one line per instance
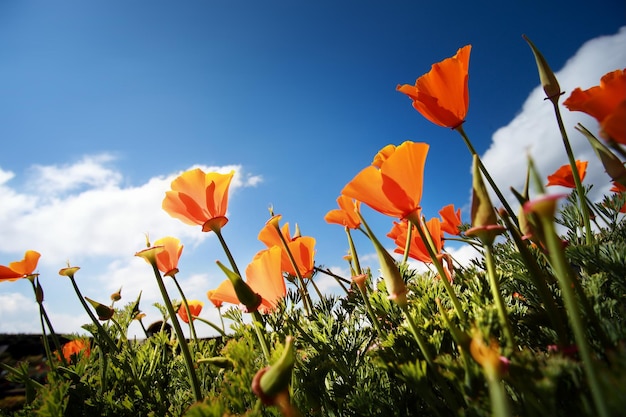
(245, 294)
(274, 379)
(548, 79)
(104, 312)
(612, 164)
(38, 292)
(484, 220)
(391, 274)
(117, 296)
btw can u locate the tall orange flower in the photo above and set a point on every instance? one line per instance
(264, 275)
(301, 247)
(417, 248)
(442, 94)
(395, 188)
(606, 102)
(451, 220)
(195, 307)
(20, 269)
(167, 259)
(347, 213)
(199, 198)
(216, 301)
(564, 176)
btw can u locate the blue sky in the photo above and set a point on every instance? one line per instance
(103, 103)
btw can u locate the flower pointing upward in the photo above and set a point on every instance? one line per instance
(442, 94)
(20, 269)
(199, 198)
(395, 187)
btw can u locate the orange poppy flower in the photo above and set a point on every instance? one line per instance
(442, 94)
(417, 248)
(20, 269)
(195, 307)
(75, 347)
(564, 176)
(167, 259)
(346, 215)
(264, 275)
(301, 247)
(211, 296)
(606, 102)
(451, 220)
(199, 198)
(394, 189)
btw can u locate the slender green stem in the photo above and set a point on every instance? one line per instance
(564, 277)
(258, 324)
(219, 310)
(340, 280)
(306, 299)
(353, 254)
(184, 348)
(44, 315)
(192, 329)
(229, 255)
(407, 245)
(493, 185)
(538, 278)
(370, 311)
(494, 284)
(103, 333)
(428, 243)
(220, 331)
(418, 337)
(584, 210)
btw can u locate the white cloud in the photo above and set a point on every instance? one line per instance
(534, 130)
(85, 210)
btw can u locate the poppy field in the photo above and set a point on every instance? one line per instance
(534, 326)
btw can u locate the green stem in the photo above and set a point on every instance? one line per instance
(370, 311)
(340, 280)
(306, 299)
(418, 337)
(493, 185)
(353, 254)
(220, 331)
(229, 255)
(192, 329)
(103, 333)
(538, 278)
(44, 315)
(428, 243)
(184, 348)
(564, 277)
(257, 323)
(407, 245)
(497, 296)
(584, 210)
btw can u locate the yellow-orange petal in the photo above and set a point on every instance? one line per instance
(564, 176)
(347, 214)
(27, 265)
(264, 276)
(442, 94)
(396, 188)
(614, 124)
(601, 100)
(167, 259)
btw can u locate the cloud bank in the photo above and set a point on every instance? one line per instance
(534, 130)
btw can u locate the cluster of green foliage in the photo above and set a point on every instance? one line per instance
(344, 367)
